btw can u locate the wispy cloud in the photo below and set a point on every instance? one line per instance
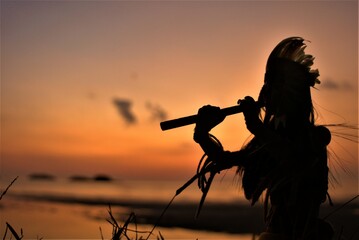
(330, 84)
(124, 109)
(156, 111)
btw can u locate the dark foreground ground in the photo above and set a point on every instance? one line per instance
(231, 217)
(239, 218)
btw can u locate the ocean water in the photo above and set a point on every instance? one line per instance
(65, 209)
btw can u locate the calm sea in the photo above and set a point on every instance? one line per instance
(66, 209)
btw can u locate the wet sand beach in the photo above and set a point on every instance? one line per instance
(64, 209)
(230, 217)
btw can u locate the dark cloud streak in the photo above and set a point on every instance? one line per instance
(329, 84)
(124, 109)
(157, 112)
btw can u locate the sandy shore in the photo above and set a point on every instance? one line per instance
(230, 217)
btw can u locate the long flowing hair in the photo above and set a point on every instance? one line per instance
(287, 103)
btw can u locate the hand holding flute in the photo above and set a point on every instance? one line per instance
(192, 119)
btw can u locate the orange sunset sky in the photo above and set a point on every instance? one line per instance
(85, 84)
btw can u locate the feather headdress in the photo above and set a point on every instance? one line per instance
(288, 78)
(293, 49)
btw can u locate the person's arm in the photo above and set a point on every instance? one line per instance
(208, 118)
(208, 144)
(225, 159)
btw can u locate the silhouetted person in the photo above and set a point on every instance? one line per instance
(287, 157)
